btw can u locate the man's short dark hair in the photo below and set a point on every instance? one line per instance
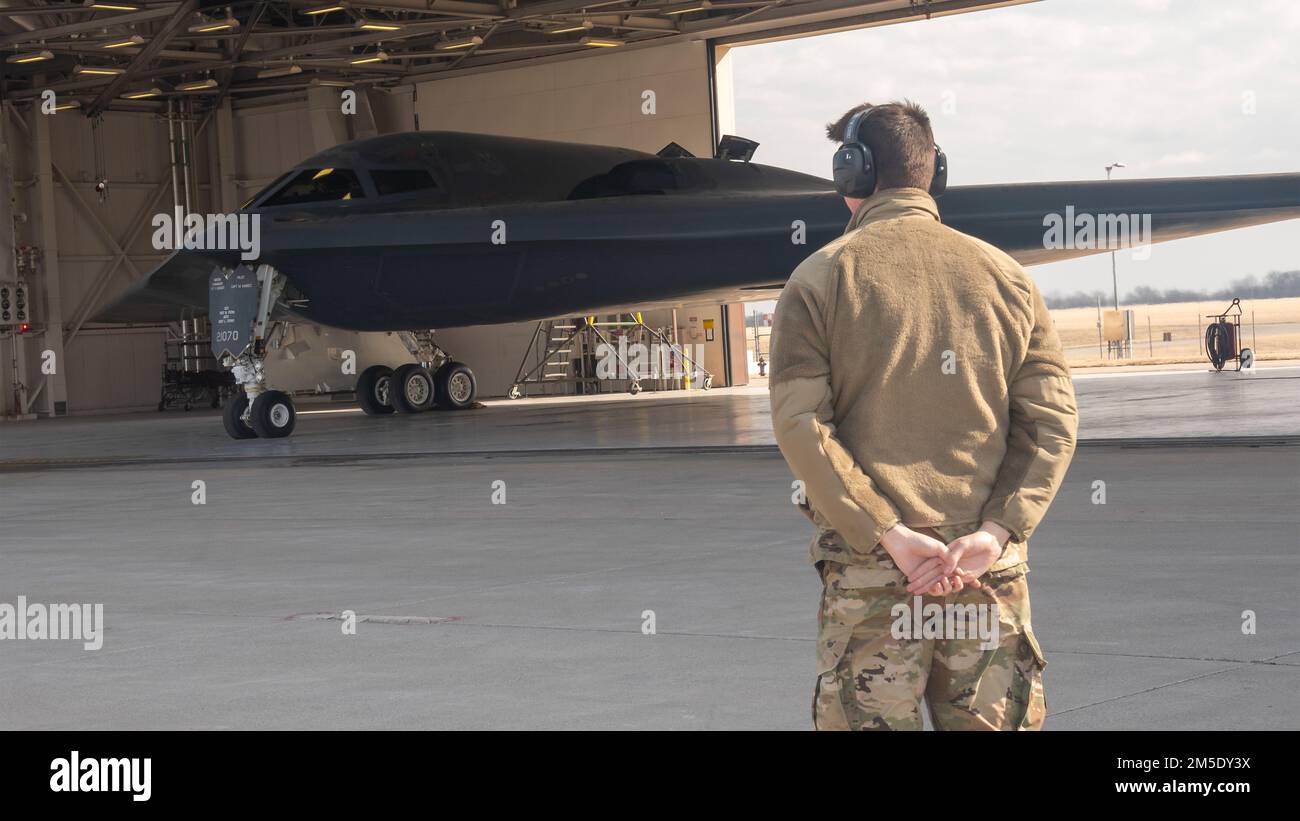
(900, 139)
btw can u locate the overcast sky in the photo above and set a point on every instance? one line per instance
(1056, 90)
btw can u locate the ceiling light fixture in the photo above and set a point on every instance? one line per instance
(600, 42)
(464, 42)
(279, 71)
(569, 28)
(326, 9)
(133, 40)
(209, 26)
(98, 71)
(198, 85)
(108, 6)
(374, 57)
(29, 56)
(687, 8)
(377, 25)
(142, 93)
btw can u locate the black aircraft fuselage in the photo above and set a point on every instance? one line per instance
(444, 229)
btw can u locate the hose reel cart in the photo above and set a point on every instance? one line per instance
(1223, 338)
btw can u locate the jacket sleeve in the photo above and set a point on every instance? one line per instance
(800, 388)
(1044, 422)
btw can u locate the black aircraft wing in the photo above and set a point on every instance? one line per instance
(511, 230)
(1012, 216)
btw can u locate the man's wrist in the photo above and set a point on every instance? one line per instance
(997, 531)
(894, 535)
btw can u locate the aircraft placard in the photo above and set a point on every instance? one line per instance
(232, 307)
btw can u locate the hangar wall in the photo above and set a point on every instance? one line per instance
(600, 100)
(80, 263)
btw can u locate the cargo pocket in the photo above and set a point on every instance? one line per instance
(832, 642)
(1029, 694)
(865, 678)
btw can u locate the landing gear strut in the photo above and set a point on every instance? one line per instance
(434, 379)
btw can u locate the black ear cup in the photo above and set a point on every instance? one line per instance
(940, 182)
(854, 171)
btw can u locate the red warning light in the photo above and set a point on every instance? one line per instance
(23, 328)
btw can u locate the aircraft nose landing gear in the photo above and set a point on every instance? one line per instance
(239, 301)
(257, 411)
(234, 417)
(272, 415)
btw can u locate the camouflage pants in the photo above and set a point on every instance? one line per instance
(869, 680)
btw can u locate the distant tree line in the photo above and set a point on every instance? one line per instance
(1275, 285)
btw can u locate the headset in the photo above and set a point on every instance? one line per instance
(854, 168)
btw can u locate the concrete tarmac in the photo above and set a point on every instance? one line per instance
(1163, 404)
(530, 614)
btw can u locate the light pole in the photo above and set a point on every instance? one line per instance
(1114, 280)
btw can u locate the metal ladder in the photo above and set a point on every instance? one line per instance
(561, 353)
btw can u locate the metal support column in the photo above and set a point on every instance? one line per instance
(55, 396)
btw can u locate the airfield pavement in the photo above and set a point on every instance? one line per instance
(529, 614)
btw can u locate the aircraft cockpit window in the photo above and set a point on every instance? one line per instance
(319, 185)
(401, 181)
(650, 176)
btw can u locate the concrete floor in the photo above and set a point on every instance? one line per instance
(528, 614)
(1130, 404)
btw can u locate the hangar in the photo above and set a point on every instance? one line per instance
(529, 536)
(197, 106)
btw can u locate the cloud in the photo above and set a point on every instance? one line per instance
(1056, 90)
(1182, 158)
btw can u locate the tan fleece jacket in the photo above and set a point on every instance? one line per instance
(916, 378)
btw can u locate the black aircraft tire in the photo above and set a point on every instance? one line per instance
(273, 415)
(457, 387)
(233, 417)
(411, 389)
(372, 389)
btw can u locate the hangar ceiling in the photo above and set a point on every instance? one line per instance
(124, 54)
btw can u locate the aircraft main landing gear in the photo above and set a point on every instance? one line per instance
(434, 379)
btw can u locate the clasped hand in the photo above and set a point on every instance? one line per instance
(937, 569)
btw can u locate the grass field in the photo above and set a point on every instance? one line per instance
(1275, 333)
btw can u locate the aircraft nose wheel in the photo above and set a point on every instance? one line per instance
(233, 417)
(272, 415)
